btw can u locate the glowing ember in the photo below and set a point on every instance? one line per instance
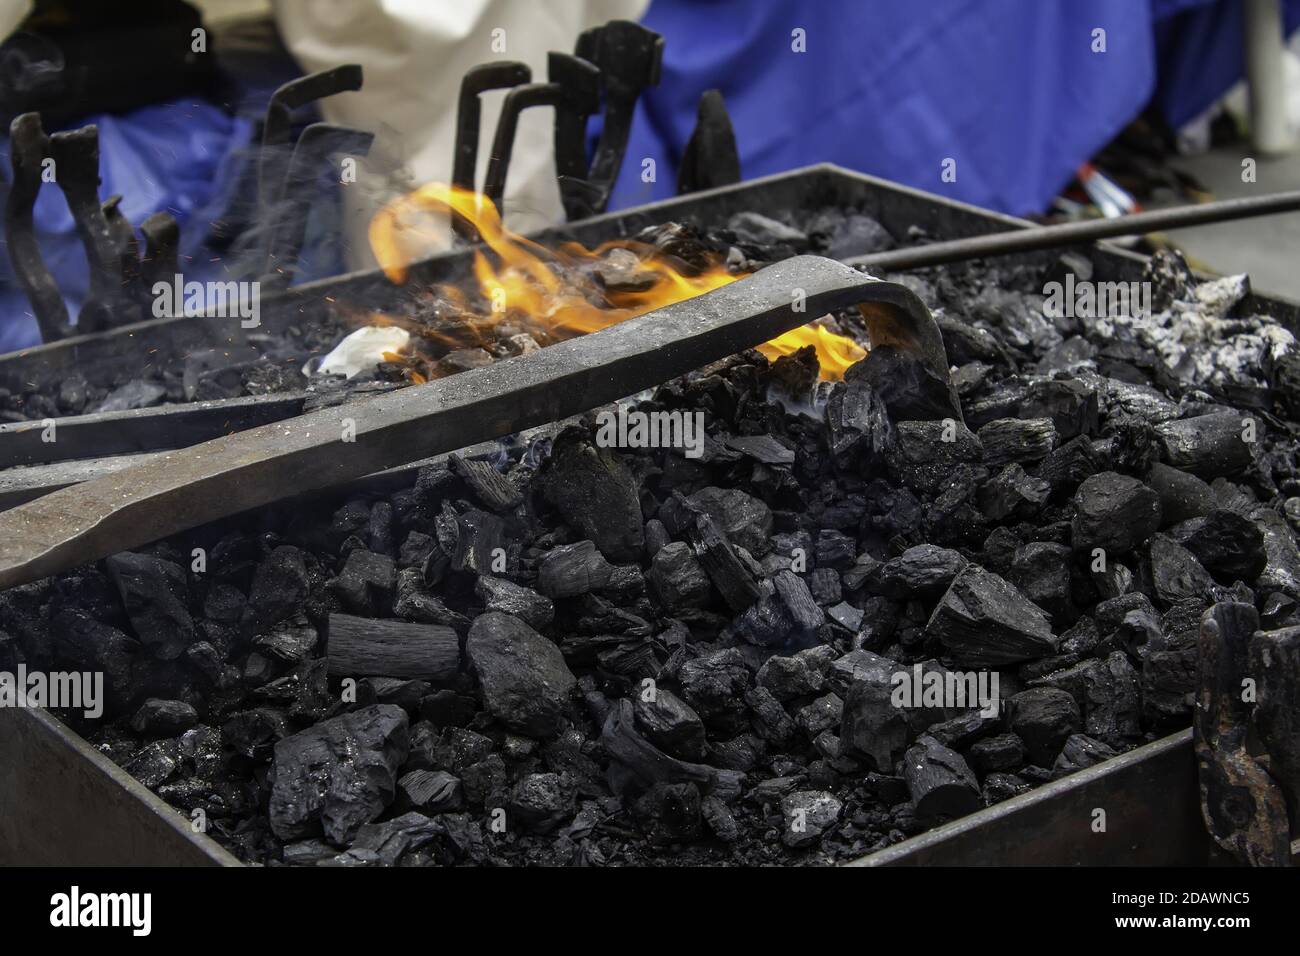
(554, 291)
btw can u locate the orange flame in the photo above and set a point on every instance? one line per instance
(564, 302)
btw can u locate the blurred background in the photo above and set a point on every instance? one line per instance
(1049, 109)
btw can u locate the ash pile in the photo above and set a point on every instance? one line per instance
(571, 652)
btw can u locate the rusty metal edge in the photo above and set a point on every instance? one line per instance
(1153, 818)
(92, 813)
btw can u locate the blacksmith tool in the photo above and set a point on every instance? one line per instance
(29, 148)
(162, 239)
(469, 113)
(711, 158)
(182, 489)
(517, 100)
(580, 81)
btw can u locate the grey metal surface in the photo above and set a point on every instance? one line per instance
(64, 804)
(1152, 818)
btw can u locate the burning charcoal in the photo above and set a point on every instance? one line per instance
(1176, 575)
(720, 820)
(677, 579)
(1182, 496)
(1041, 570)
(84, 644)
(488, 484)
(920, 573)
(366, 583)
(873, 727)
(926, 453)
(1007, 440)
(743, 520)
(1079, 753)
(764, 449)
(671, 725)
(1244, 808)
(1012, 493)
(1043, 717)
(940, 783)
(908, 387)
(1226, 544)
(1113, 512)
(856, 421)
(620, 270)
(416, 602)
(822, 714)
(797, 675)
(526, 684)
(737, 579)
(338, 775)
(1003, 753)
(638, 764)
(808, 814)
(985, 622)
(669, 813)
(498, 594)
(573, 569)
(596, 493)
(1282, 571)
(164, 718)
(714, 685)
(788, 617)
(471, 539)
(771, 722)
(374, 647)
(1209, 446)
(280, 586)
(430, 791)
(154, 594)
(540, 802)
(1275, 666)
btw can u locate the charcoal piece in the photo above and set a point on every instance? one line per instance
(1243, 806)
(677, 579)
(714, 685)
(846, 615)
(1079, 753)
(1208, 446)
(1281, 573)
(596, 493)
(770, 720)
(484, 781)
(1067, 466)
(985, 622)
(925, 454)
(788, 617)
(154, 763)
(742, 519)
(1012, 493)
(857, 421)
(720, 819)
(656, 537)
(84, 644)
(1041, 570)
(859, 665)
(1176, 575)
(1226, 544)
(873, 727)
(498, 594)
(796, 675)
(762, 448)
(1133, 444)
(1111, 581)
(253, 733)
(1112, 701)
(1275, 667)
(670, 724)
(337, 775)
(390, 841)
(835, 549)
(737, 580)
(458, 748)
(289, 642)
(822, 714)
(741, 753)
(620, 270)
(415, 602)
(471, 540)
(572, 569)
(807, 815)
(1043, 717)
(380, 647)
(1003, 753)
(416, 549)
(406, 694)
(1071, 404)
(154, 594)
(1183, 496)
(540, 802)
(941, 785)
(1114, 512)
(824, 586)
(366, 583)
(964, 729)
(909, 388)
(864, 568)
(966, 343)
(669, 813)
(489, 486)
(280, 586)
(134, 394)
(1002, 786)
(430, 791)
(525, 682)
(637, 765)
(759, 230)
(164, 718)
(1021, 440)
(920, 573)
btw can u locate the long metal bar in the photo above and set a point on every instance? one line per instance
(1075, 233)
(179, 490)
